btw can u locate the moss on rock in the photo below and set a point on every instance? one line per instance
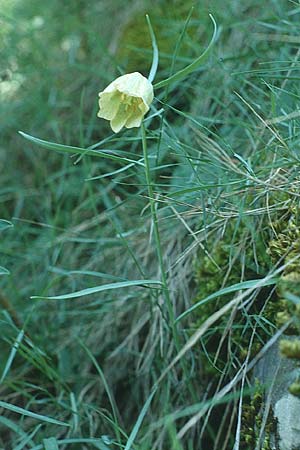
(136, 55)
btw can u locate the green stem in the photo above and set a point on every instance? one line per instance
(166, 293)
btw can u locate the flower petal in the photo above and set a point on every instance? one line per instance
(134, 120)
(135, 85)
(143, 107)
(118, 122)
(109, 104)
(125, 101)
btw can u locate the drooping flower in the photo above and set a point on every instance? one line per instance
(125, 101)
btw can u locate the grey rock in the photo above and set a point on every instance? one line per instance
(287, 412)
(277, 373)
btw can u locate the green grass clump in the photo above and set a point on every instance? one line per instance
(233, 257)
(122, 358)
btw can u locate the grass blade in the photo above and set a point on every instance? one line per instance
(106, 387)
(104, 287)
(77, 150)
(31, 414)
(194, 65)
(4, 271)
(139, 421)
(12, 355)
(5, 422)
(28, 439)
(155, 57)
(5, 224)
(235, 287)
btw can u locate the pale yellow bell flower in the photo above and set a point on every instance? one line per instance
(125, 101)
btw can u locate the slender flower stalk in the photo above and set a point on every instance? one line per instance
(155, 227)
(165, 289)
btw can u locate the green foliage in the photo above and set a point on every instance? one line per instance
(223, 170)
(168, 22)
(252, 422)
(233, 257)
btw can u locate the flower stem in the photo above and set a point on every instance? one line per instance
(166, 292)
(165, 289)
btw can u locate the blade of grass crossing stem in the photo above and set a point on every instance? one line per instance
(28, 439)
(5, 224)
(106, 387)
(139, 421)
(235, 287)
(174, 57)
(94, 290)
(194, 65)
(111, 174)
(112, 215)
(25, 412)
(180, 40)
(5, 422)
(12, 355)
(4, 271)
(155, 56)
(74, 412)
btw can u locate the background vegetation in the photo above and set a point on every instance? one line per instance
(224, 148)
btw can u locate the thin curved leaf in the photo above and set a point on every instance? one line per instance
(5, 224)
(194, 65)
(235, 287)
(25, 412)
(4, 271)
(94, 290)
(77, 150)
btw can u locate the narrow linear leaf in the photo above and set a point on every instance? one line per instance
(110, 174)
(5, 224)
(28, 439)
(74, 412)
(194, 65)
(12, 355)
(291, 297)
(4, 271)
(139, 421)
(105, 384)
(155, 56)
(196, 407)
(31, 414)
(85, 272)
(202, 187)
(5, 422)
(235, 287)
(77, 150)
(104, 287)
